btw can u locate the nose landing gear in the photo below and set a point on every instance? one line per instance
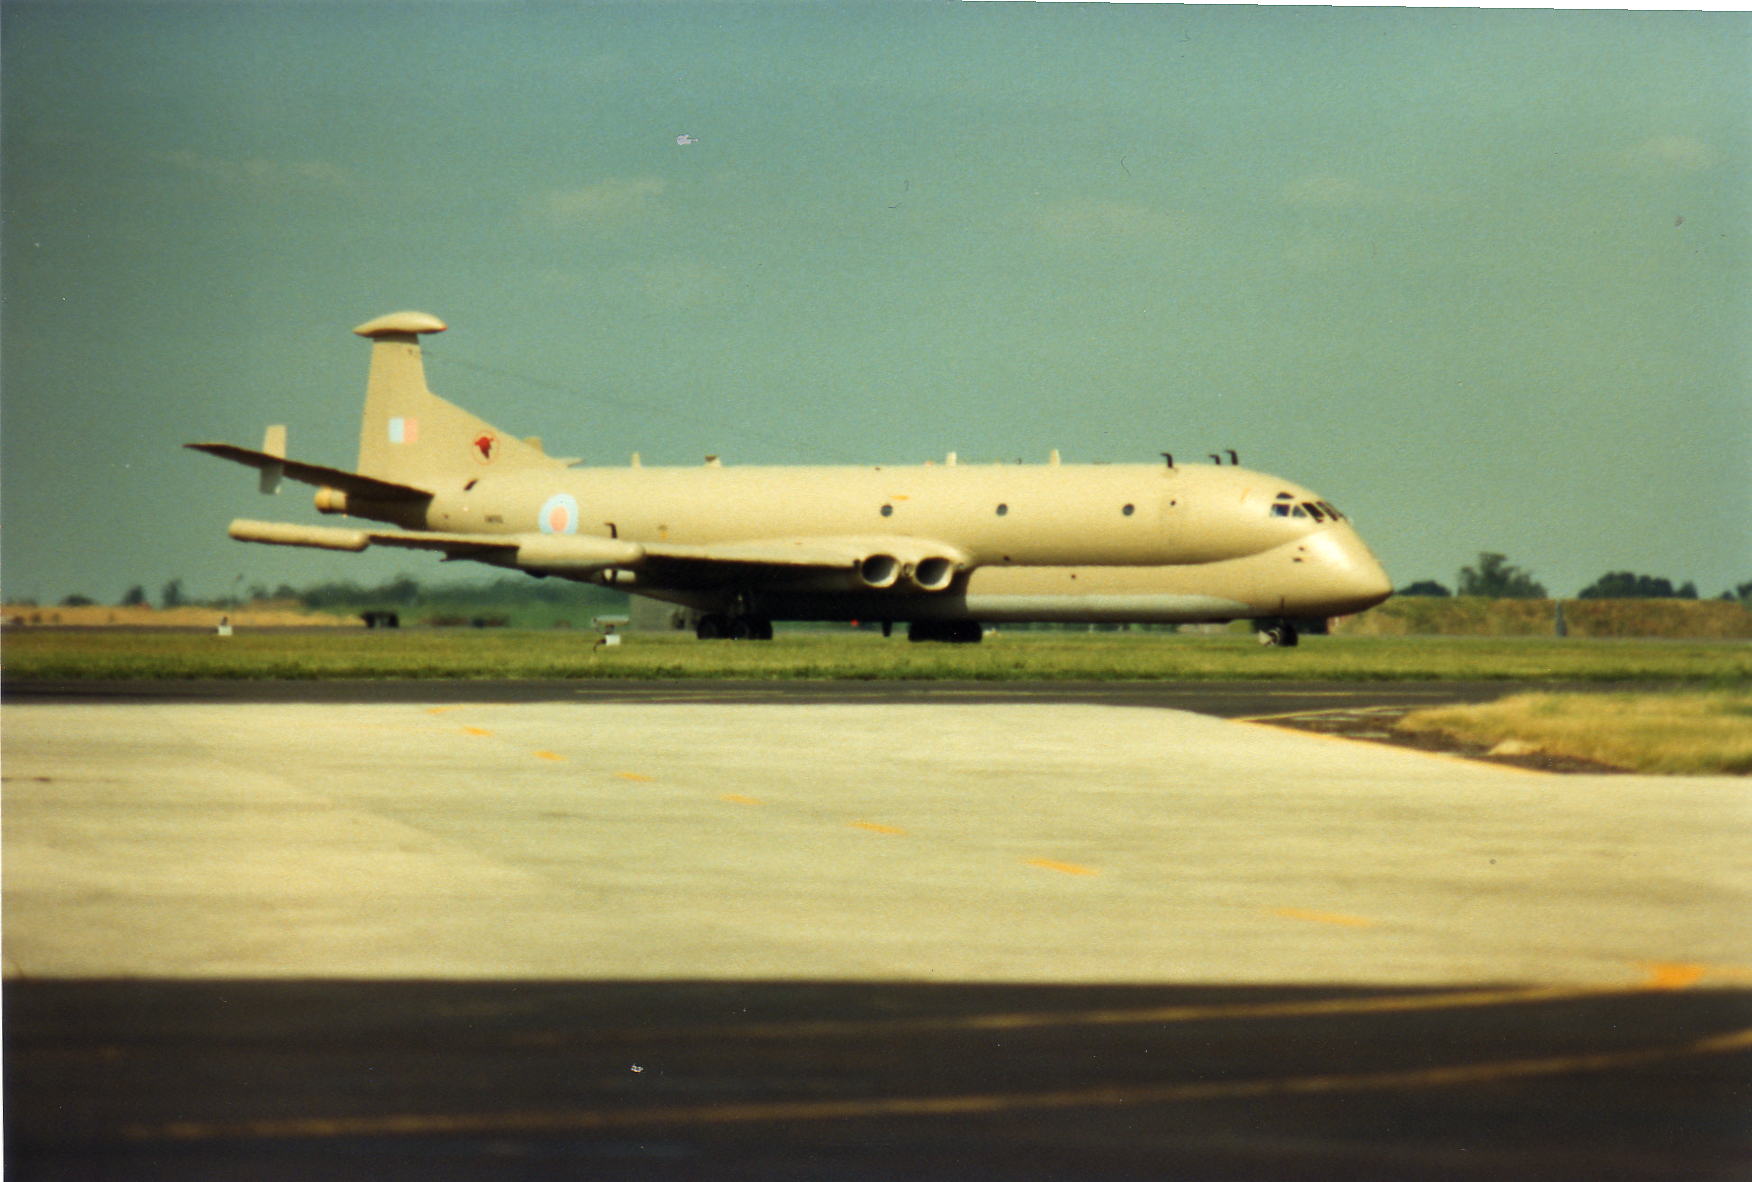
(1277, 633)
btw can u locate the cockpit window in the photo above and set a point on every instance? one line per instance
(1322, 511)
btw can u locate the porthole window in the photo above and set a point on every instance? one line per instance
(1003, 509)
(888, 510)
(1129, 510)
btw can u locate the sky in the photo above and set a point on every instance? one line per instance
(1480, 277)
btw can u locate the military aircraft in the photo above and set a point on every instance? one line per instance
(942, 547)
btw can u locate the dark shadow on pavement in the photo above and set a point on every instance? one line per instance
(163, 1079)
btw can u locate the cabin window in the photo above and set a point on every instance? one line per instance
(1129, 510)
(888, 510)
(1003, 509)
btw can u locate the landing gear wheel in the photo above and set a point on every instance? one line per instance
(712, 626)
(750, 628)
(946, 631)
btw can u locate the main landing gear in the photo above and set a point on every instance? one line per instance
(947, 631)
(719, 626)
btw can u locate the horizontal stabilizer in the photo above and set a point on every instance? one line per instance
(540, 552)
(276, 533)
(354, 485)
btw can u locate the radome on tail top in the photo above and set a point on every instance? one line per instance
(941, 547)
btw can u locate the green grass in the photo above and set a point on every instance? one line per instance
(1677, 733)
(1046, 656)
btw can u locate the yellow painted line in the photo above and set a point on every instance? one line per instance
(476, 730)
(441, 709)
(1061, 867)
(738, 798)
(1349, 921)
(1147, 1015)
(1109, 1096)
(555, 756)
(873, 827)
(635, 777)
(1441, 755)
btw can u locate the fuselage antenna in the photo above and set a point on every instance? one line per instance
(1233, 458)
(1169, 456)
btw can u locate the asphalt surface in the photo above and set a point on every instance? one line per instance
(722, 930)
(784, 1080)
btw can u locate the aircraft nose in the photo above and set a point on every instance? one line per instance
(1351, 577)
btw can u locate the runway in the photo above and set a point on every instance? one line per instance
(649, 932)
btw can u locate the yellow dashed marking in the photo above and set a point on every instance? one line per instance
(441, 709)
(634, 776)
(555, 756)
(1349, 921)
(738, 798)
(873, 827)
(476, 730)
(1061, 867)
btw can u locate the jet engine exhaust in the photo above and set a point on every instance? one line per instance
(933, 574)
(879, 571)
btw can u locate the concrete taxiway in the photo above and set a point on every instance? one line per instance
(795, 911)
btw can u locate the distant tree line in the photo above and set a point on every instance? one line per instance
(1621, 584)
(402, 591)
(1495, 577)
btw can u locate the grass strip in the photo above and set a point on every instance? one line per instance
(496, 654)
(1675, 733)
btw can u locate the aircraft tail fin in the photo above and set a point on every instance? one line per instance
(409, 434)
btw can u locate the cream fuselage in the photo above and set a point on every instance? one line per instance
(1120, 542)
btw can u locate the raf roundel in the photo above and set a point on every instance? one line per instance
(559, 514)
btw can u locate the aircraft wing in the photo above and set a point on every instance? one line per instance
(351, 483)
(873, 563)
(869, 562)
